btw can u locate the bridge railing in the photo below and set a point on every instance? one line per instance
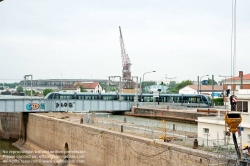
(42, 105)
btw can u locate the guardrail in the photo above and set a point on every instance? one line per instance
(42, 105)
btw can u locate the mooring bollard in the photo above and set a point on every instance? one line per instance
(122, 128)
(195, 144)
(81, 121)
(173, 127)
(125, 120)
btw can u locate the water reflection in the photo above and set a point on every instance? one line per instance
(148, 122)
(6, 145)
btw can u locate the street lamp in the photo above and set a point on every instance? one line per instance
(136, 88)
(224, 82)
(170, 79)
(30, 84)
(200, 82)
(143, 76)
(119, 85)
(143, 81)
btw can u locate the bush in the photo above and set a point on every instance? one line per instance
(218, 101)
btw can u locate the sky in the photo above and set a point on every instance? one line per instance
(79, 39)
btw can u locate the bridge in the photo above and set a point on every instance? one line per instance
(42, 105)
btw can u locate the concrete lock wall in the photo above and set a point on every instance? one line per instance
(9, 125)
(164, 112)
(107, 148)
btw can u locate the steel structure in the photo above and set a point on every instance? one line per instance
(127, 82)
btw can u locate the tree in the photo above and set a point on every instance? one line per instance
(210, 81)
(171, 86)
(19, 89)
(28, 92)
(182, 85)
(46, 91)
(81, 87)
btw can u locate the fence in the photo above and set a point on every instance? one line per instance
(181, 134)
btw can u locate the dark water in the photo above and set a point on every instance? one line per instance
(6, 145)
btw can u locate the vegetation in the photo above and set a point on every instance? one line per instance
(210, 81)
(178, 86)
(148, 83)
(81, 87)
(172, 86)
(10, 85)
(20, 89)
(46, 91)
(218, 101)
(28, 93)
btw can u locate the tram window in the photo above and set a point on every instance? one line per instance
(87, 97)
(176, 99)
(123, 98)
(51, 96)
(148, 99)
(192, 100)
(56, 96)
(80, 97)
(65, 97)
(204, 99)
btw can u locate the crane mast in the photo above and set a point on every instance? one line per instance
(127, 82)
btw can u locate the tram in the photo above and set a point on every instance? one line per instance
(189, 100)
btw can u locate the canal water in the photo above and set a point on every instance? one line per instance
(6, 145)
(189, 127)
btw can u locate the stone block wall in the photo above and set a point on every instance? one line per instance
(147, 111)
(108, 148)
(9, 125)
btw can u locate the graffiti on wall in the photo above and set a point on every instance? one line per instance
(35, 106)
(64, 105)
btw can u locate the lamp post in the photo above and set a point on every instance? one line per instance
(30, 84)
(170, 79)
(143, 81)
(200, 82)
(61, 81)
(119, 85)
(224, 82)
(136, 88)
(168, 86)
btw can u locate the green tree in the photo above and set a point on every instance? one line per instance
(28, 93)
(10, 85)
(19, 89)
(171, 86)
(210, 81)
(81, 87)
(46, 91)
(148, 83)
(181, 85)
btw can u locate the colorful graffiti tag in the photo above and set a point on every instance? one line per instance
(35, 106)
(64, 105)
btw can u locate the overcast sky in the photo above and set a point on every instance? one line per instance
(77, 39)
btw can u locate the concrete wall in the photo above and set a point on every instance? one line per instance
(173, 115)
(9, 125)
(108, 148)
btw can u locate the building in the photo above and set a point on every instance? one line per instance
(213, 128)
(94, 87)
(203, 89)
(71, 89)
(57, 84)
